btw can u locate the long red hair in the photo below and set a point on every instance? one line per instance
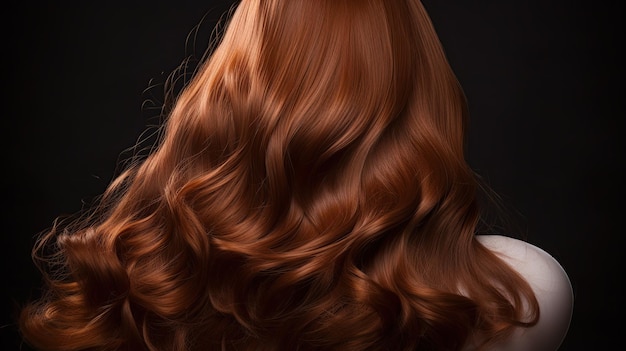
(309, 192)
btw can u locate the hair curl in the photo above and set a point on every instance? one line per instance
(309, 192)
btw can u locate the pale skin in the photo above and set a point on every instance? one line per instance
(551, 286)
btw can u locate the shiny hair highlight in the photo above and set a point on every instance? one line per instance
(309, 192)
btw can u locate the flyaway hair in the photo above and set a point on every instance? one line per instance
(309, 192)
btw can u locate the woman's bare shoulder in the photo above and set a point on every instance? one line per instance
(551, 286)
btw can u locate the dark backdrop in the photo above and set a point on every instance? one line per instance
(543, 79)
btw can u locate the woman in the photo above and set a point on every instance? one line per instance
(309, 192)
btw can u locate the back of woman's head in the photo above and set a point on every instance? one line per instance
(326, 99)
(309, 192)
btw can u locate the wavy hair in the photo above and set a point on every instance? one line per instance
(309, 192)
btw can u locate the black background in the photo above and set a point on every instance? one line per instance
(543, 78)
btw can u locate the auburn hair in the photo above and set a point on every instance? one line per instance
(309, 191)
